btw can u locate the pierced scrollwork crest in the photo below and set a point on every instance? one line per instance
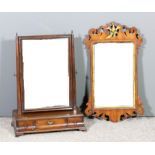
(113, 32)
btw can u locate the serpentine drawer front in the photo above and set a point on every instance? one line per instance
(49, 107)
(51, 123)
(74, 121)
(46, 123)
(27, 125)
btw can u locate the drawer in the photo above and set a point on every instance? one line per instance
(26, 125)
(51, 123)
(74, 120)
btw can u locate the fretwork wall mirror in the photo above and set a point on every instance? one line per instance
(113, 51)
(46, 85)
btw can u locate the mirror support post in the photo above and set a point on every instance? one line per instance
(73, 73)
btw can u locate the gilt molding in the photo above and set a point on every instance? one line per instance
(111, 32)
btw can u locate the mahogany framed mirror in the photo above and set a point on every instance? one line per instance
(113, 52)
(46, 84)
(43, 73)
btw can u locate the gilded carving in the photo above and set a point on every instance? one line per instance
(113, 32)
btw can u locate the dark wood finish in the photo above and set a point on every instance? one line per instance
(21, 117)
(47, 121)
(113, 32)
(71, 69)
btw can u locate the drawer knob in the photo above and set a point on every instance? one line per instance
(50, 122)
(33, 127)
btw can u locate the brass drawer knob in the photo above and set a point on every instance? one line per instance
(33, 127)
(50, 122)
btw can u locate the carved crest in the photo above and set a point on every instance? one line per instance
(113, 32)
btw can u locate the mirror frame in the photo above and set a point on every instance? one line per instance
(19, 73)
(113, 33)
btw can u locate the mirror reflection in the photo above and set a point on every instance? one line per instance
(46, 75)
(113, 75)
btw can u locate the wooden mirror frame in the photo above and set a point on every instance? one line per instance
(19, 74)
(50, 119)
(113, 33)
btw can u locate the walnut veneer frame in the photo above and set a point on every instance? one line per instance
(113, 33)
(20, 80)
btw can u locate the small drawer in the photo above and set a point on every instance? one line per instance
(51, 123)
(74, 120)
(26, 125)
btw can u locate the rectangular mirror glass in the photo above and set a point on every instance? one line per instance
(45, 73)
(113, 71)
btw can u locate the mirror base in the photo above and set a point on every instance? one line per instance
(47, 122)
